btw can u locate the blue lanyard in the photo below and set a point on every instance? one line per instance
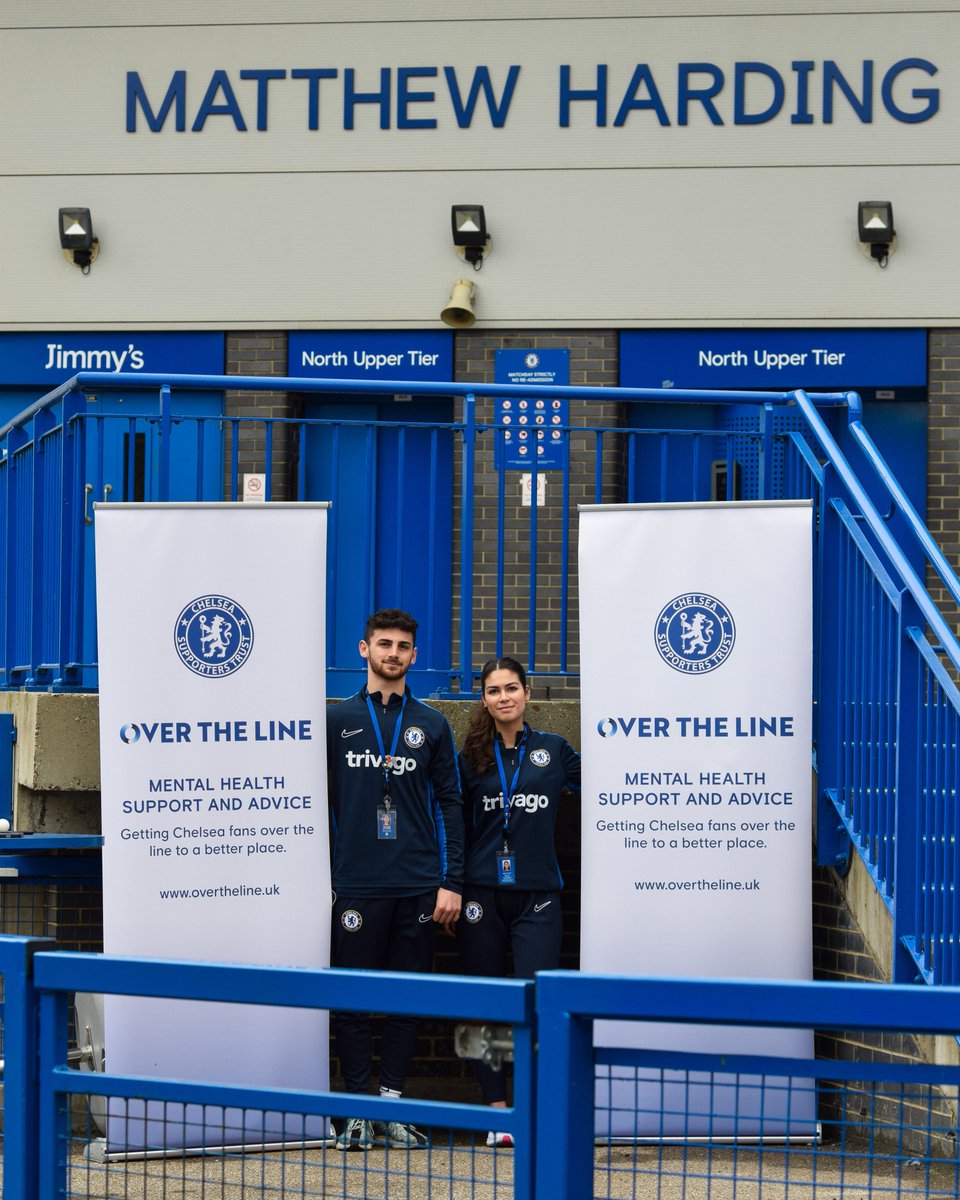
(508, 793)
(385, 758)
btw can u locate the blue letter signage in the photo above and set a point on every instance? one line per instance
(423, 356)
(773, 359)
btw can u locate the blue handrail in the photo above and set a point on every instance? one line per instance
(902, 501)
(124, 380)
(879, 528)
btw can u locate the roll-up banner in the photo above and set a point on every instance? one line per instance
(696, 645)
(211, 622)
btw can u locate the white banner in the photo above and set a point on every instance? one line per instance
(211, 623)
(696, 643)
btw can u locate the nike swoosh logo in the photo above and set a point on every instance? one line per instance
(425, 920)
(541, 907)
(349, 732)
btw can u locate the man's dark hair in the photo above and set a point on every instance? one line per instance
(391, 618)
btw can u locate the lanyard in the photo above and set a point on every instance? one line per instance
(508, 793)
(385, 758)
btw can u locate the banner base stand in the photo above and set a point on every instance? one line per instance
(96, 1150)
(646, 1139)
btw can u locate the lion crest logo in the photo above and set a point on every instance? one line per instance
(695, 633)
(414, 737)
(213, 636)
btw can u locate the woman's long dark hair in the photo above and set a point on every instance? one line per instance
(478, 743)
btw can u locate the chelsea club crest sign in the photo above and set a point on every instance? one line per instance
(213, 636)
(695, 633)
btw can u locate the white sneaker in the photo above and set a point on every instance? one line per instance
(500, 1139)
(356, 1135)
(395, 1133)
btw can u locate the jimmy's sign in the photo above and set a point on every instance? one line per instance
(49, 359)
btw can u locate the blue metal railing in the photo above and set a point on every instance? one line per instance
(8, 736)
(58, 975)
(859, 1113)
(571, 1055)
(888, 744)
(887, 661)
(20, 1041)
(47, 631)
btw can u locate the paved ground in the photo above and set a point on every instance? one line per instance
(459, 1172)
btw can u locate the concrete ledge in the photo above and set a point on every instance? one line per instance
(58, 752)
(552, 716)
(58, 740)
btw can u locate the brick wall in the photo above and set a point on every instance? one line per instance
(943, 453)
(594, 362)
(260, 353)
(916, 1119)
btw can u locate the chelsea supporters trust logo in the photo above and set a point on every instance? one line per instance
(213, 636)
(695, 633)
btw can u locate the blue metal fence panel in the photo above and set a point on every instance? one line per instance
(8, 737)
(21, 1143)
(70, 583)
(867, 697)
(886, 1120)
(887, 1124)
(932, 822)
(20, 533)
(508, 1002)
(170, 428)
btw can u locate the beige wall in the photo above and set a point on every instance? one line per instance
(653, 222)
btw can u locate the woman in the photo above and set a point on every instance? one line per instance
(512, 777)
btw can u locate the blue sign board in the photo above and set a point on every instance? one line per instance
(773, 359)
(45, 360)
(421, 356)
(531, 429)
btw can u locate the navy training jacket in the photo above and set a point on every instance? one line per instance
(549, 766)
(424, 792)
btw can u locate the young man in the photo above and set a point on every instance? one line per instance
(397, 843)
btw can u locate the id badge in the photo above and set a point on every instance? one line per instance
(386, 823)
(506, 868)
